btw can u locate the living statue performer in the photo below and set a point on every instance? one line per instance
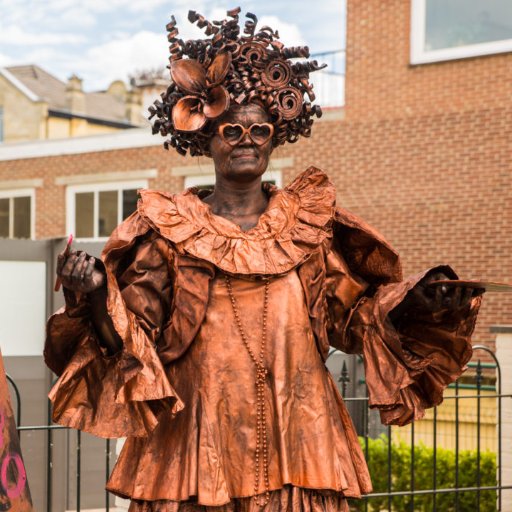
(203, 333)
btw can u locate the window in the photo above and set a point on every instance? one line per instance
(456, 29)
(1, 124)
(17, 213)
(95, 210)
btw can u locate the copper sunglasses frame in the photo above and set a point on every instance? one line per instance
(245, 131)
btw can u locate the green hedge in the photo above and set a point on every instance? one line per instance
(424, 474)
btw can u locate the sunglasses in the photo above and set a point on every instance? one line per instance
(259, 133)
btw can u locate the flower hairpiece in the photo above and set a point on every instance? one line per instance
(206, 98)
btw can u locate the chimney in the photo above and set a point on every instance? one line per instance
(75, 97)
(118, 89)
(134, 107)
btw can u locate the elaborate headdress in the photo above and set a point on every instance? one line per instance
(227, 68)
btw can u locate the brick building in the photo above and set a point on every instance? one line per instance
(421, 151)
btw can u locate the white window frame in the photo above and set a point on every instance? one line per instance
(421, 56)
(21, 192)
(209, 179)
(96, 188)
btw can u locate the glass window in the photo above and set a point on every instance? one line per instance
(1, 124)
(450, 29)
(108, 212)
(129, 202)
(4, 217)
(21, 221)
(84, 226)
(97, 212)
(452, 23)
(16, 216)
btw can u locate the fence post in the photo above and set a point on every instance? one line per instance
(504, 356)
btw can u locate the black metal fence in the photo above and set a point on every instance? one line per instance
(450, 461)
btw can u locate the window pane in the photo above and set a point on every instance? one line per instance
(453, 23)
(108, 212)
(4, 218)
(22, 217)
(129, 202)
(84, 215)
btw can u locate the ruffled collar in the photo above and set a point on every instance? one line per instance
(297, 220)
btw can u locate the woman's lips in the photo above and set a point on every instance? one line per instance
(244, 155)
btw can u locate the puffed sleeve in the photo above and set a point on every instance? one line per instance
(408, 362)
(119, 395)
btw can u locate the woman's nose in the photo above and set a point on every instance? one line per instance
(245, 140)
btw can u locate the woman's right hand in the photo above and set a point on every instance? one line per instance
(78, 272)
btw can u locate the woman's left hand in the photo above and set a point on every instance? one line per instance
(434, 298)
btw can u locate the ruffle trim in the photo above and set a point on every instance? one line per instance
(289, 498)
(298, 219)
(134, 386)
(408, 367)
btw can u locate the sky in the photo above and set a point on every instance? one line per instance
(106, 40)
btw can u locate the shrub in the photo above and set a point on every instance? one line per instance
(424, 477)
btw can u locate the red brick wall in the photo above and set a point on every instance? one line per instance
(381, 84)
(426, 151)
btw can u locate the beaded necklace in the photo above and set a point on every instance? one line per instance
(261, 373)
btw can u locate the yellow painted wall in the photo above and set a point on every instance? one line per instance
(424, 429)
(94, 129)
(23, 118)
(57, 128)
(60, 128)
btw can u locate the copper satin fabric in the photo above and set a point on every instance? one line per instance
(289, 499)
(188, 414)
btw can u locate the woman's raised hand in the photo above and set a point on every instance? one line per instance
(78, 272)
(428, 296)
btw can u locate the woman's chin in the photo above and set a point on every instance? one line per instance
(245, 171)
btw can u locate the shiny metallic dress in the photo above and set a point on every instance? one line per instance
(205, 430)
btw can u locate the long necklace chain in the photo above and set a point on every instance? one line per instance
(261, 453)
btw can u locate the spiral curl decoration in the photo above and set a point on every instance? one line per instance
(260, 71)
(277, 74)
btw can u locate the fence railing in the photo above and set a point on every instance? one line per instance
(407, 475)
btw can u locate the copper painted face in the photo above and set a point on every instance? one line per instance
(245, 160)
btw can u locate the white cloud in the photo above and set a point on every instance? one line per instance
(117, 59)
(289, 33)
(14, 35)
(5, 60)
(76, 16)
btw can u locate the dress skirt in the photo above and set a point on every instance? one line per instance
(287, 499)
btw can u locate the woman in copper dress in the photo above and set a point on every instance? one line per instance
(202, 335)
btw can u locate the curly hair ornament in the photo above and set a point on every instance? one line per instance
(230, 66)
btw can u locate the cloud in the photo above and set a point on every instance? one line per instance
(117, 59)
(289, 33)
(5, 60)
(15, 36)
(76, 16)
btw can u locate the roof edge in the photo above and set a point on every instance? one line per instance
(125, 139)
(19, 85)
(65, 114)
